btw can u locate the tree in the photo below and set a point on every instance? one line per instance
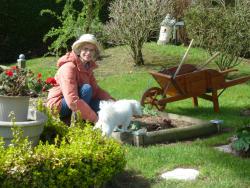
(179, 8)
(22, 28)
(78, 17)
(132, 22)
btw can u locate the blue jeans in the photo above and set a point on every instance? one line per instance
(85, 93)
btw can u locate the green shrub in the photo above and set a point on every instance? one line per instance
(82, 157)
(54, 127)
(77, 17)
(217, 27)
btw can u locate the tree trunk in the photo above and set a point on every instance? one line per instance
(89, 15)
(137, 56)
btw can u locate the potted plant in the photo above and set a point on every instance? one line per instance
(17, 85)
(241, 141)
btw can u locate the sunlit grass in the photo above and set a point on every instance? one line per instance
(44, 65)
(217, 169)
(117, 74)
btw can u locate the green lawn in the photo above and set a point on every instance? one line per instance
(117, 75)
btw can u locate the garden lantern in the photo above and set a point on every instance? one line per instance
(166, 30)
(177, 26)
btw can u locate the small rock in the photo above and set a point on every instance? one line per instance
(225, 148)
(181, 174)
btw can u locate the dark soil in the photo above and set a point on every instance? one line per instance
(155, 123)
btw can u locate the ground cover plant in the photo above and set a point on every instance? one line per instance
(144, 165)
(241, 141)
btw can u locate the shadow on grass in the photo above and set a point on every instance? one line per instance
(231, 117)
(128, 179)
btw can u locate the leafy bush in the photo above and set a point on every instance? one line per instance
(54, 127)
(217, 27)
(80, 158)
(22, 28)
(77, 17)
(242, 141)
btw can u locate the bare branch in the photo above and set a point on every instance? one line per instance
(132, 22)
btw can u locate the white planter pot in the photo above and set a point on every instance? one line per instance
(18, 104)
(32, 128)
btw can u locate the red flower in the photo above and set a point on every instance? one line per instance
(51, 81)
(44, 89)
(22, 82)
(9, 73)
(14, 67)
(39, 75)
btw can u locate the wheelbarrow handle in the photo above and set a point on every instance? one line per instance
(208, 61)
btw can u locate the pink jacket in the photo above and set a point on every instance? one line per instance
(71, 75)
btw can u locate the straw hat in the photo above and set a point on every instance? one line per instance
(85, 38)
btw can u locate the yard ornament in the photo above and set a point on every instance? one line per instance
(166, 30)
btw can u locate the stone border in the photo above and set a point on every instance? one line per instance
(198, 128)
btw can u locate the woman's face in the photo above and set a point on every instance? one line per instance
(88, 52)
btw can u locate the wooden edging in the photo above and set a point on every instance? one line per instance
(199, 128)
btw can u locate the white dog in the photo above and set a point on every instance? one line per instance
(115, 113)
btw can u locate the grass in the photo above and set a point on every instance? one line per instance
(44, 65)
(117, 74)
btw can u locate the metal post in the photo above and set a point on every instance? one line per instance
(21, 62)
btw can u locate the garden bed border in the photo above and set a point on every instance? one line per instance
(199, 128)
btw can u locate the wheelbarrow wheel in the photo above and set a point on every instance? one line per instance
(149, 98)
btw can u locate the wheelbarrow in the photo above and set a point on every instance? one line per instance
(188, 83)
